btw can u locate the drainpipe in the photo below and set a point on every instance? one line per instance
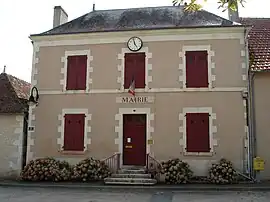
(24, 146)
(252, 121)
(251, 111)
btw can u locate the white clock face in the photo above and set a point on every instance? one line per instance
(135, 44)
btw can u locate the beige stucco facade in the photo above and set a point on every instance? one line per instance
(167, 98)
(262, 117)
(11, 144)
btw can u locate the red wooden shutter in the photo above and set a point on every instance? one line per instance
(128, 72)
(76, 72)
(71, 73)
(81, 71)
(134, 67)
(196, 69)
(74, 132)
(140, 70)
(197, 131)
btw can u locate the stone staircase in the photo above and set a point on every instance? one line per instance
(130, 176)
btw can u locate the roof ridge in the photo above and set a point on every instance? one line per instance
(118, 9)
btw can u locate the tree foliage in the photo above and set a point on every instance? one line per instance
(223, 4)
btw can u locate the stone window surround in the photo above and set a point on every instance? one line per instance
(212, 130)
(119, 127)
(89, 69)
(61, 128)
(121, 68)
(211, 65)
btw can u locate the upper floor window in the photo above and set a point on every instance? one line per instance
(196, 69)
(197, 132)
(134, 70)
(76, 72)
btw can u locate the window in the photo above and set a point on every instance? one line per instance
(197, 126)
(134, 69)
(74, 132)
(196, 69)
(76, 72)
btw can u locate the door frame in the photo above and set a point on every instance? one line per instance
(141, 153)
(119, 128)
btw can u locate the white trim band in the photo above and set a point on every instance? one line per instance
(145, 35)
(153, 90)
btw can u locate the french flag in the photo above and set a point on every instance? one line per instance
(131, 89)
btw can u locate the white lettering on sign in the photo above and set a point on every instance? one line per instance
(135, 99)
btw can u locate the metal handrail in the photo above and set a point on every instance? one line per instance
(113, 162)
(153, 166)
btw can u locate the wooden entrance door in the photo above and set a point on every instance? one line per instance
(134, 139)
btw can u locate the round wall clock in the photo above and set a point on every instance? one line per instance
(134, 44)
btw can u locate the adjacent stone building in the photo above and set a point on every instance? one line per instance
(13, 124)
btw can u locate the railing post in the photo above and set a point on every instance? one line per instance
(118, 162)
(147, 157)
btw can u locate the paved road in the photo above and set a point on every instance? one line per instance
(12, 194)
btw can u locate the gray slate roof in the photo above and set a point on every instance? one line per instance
(139, 19)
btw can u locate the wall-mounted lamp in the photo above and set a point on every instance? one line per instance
(34, 97)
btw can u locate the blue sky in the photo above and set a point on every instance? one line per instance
(20, 18)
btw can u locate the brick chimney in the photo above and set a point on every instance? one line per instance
(234, 15)
(59, 17)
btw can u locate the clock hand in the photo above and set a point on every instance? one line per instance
(135, 43)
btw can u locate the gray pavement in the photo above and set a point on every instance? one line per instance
(28, 194)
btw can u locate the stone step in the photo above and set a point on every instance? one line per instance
(132, 171)
(130, 181)
(131, 175)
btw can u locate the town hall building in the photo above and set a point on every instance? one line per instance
(159, 82)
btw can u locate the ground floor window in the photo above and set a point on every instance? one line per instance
(197, 132)
(74, 132)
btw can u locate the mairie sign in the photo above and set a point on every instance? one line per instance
(135, 99)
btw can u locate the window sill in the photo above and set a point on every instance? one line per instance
(75, 91)
(203, 89)
(72, 152)
(137, 90)
(198, 153)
